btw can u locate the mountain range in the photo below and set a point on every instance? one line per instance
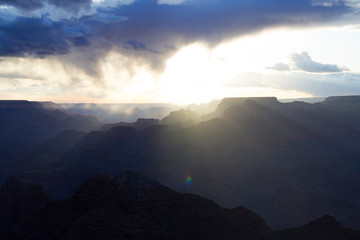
(289, 162)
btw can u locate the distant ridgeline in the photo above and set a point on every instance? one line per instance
(229, 102)
(343, 99)
(290, 162)
(21, 104)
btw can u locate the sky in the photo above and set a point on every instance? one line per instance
(178, 51)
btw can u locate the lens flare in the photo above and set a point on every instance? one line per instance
(188, 181)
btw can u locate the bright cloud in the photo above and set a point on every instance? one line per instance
(304, 62)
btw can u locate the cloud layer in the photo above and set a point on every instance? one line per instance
(122, 46)
(147, 30)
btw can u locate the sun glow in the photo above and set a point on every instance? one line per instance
(191, 76)
(199, 74)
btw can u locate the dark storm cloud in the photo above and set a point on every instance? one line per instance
(41, 37)
(152, 32)
(30, 5)
(162, 29)
(80, 42)
(71, 4)
(24, 5)
(32, 37)
(304, 62)
(213, 21)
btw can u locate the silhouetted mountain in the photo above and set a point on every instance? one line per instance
(289, 162)
(129, 206)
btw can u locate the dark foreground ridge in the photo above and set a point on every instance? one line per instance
(131, 206)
